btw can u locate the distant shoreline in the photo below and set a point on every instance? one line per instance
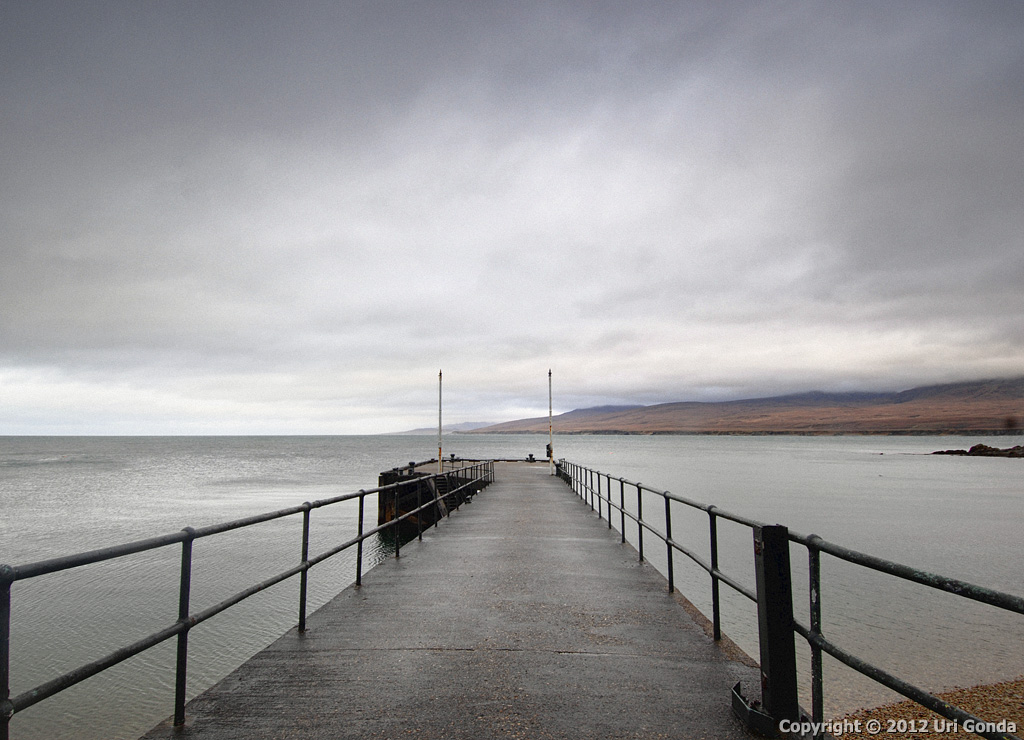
(994, 407)
(773, 433)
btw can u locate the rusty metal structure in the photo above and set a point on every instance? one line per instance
(448, 491)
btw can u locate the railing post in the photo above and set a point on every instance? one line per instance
(398, 522)
(716, 613)
(305, 561)
(6, 711)
(419, 513)
(607, 490)
(359, 545)
(668, 542)
(814, 574)
(184, 590)
(640, 520)
(455, 499)
(622, 508)
(775, 623)
(597, 495)
(590, 487)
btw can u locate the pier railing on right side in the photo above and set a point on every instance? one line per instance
(773, 596)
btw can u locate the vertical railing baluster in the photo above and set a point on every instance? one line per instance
(716, 614)
(817, 679)
(597, 495)
(397, 524)
(622, 507)
(441, 496)
(184, 590)
(640, 520)
(419, 513)
(359, 545)
(6, 579)
(668, 543)
(305, 562)
(608, 493)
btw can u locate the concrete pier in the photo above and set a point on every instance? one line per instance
(520, 616)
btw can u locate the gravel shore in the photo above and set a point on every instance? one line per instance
(992, 702)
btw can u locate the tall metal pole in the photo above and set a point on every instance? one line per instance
(439, 422)
(551, 439)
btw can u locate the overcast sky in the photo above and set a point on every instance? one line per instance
(286, 217)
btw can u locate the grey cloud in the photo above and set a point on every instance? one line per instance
(245, 212)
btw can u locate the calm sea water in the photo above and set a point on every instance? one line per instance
(884, 495)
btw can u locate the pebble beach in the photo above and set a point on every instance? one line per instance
(908, 720)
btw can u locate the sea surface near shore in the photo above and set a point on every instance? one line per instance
(884, 495)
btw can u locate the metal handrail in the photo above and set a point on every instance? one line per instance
(461, 480)
(586, 483)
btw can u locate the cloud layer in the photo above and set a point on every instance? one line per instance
(234, 218)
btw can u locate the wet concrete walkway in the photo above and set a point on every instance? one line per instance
(520, 616)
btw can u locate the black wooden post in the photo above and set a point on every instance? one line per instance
(775, 623)
(814, 574)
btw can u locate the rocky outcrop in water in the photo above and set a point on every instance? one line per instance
(985, 451)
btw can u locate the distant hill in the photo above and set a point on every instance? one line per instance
(466, 426)
(990, 406)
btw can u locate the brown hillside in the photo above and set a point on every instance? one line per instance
(995, 406)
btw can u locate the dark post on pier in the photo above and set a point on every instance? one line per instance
(775, 623)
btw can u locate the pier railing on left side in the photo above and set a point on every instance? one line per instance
(462, 477)
(773, 595)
